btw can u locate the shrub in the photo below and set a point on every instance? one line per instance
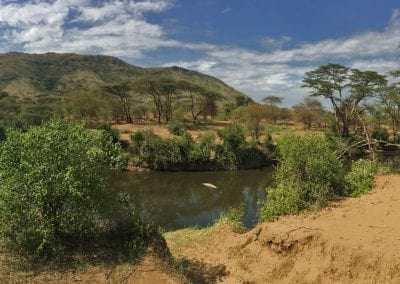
(156, 153)
(2, 133)
(268, 145)
(225, 157)
(233, 217)
(281, 201)
(112, 132)
(202, 150)
(233, 137)
(380, 133)
(176, 128)
(308, 174)
(185, 144)
(360, 179)
(396, 139)
(53, 185)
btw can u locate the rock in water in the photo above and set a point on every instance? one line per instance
(210, 185)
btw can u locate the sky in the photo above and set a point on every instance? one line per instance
(260, 47)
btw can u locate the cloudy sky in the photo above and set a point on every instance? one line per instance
(261, 47)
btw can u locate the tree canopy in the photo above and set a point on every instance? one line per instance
(345, 88)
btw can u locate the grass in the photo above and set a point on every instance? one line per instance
(178, 240)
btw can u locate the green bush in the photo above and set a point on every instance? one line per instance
(2, 133)
(225, 157)
(233, 217)
(281, 201)
(112, 132)
(202, 150)
(268, 144)
(53, 185)
(176, 128)
(360, 179)
(185, 144)
(233, 137)
(157, 153)
(380, 133)
(396, 139)
(308, 174)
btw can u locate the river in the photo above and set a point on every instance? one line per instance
(175, 200)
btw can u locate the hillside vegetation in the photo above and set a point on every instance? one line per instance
(27, 75)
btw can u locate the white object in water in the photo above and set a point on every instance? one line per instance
(210, 185)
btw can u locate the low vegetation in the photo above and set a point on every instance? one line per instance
(311, 172)
(54, 200)
(360, 179)
(182, 152)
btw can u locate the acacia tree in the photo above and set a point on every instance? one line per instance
(163, 92)
(124, 93)
(345, 88)
(250, 118)
(390, 103)
(272, 100)
(309, 111)
(201, 100)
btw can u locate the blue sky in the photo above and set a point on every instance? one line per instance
(261, 47)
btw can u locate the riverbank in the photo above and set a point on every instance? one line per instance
(354, 240)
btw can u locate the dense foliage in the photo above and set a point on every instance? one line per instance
(308, 174)
(53, 193)
(360, 179)
(182, 152)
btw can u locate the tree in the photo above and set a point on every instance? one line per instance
(242, 100)
(53, 185)
(82, 105)
(250, 118)
(345, 88)
(390, 103)
(163, 92)
(124, 93)
(309, 111)
(201, 100)
(272, 100)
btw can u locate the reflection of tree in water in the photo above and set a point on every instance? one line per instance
(179, 199)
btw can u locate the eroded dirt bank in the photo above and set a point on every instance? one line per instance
(355, 240)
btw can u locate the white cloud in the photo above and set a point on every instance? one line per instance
(114, 27)
(227, 10)
(275, 43)
(280, 72)
(120, 28)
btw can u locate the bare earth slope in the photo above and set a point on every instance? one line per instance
(354, 241)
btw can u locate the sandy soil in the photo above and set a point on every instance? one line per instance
(150, 270)
(354, 241)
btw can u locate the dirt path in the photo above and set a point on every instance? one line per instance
(355, 240)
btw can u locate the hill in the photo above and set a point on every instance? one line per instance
(54, 74)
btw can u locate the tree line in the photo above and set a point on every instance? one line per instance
(358, 100)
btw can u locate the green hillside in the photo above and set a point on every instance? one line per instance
(53, 74)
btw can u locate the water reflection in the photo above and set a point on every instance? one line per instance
(179, 199)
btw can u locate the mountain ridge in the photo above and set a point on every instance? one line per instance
(58, 74)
